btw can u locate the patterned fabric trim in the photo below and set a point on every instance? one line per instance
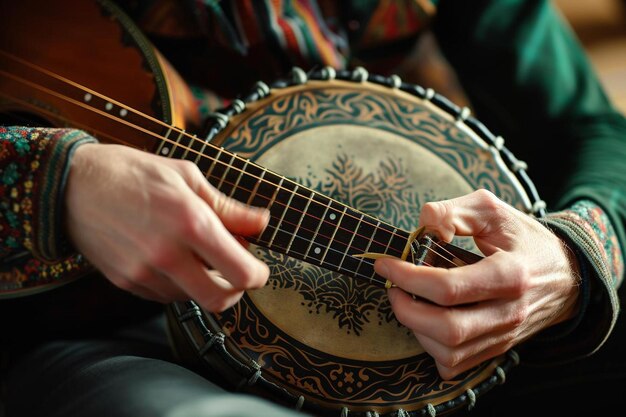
(34, 164)
(592, 221)
(50, 243)
(586, 228)
(25, 275)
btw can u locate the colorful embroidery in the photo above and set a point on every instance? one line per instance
(30, 273)
(33, 167)
(596, 225)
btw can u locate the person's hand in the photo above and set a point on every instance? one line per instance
(155, 227)
(527, 281)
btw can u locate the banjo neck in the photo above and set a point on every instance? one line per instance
(305, 224)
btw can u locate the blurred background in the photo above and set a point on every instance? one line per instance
(601, 27)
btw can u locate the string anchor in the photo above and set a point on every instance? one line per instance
(415, 235)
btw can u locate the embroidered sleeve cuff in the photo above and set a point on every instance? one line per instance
(34, 164)
(586, 229)
(49, 240)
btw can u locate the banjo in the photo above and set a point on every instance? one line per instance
(342, 159)
(321, 336)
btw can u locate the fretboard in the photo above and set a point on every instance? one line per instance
(304, 224)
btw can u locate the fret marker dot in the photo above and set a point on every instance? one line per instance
(165, 151)
(87, 97)
(108, 106)
(317, 251)
(332, 216)
(123, 112)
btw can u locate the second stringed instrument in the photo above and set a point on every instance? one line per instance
(342, 159)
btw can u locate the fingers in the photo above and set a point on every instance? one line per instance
(208, 223)
(488, 279)
(459, 338)
(471, 313)
(238, 218)
(478, 214)
(176, 277)
(162, 224)
(207, 287)
(155, 288)
(217, 247)
(451, 362)
(454, 326)
(211, 228)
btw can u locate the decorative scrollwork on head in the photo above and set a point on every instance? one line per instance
(386, 193)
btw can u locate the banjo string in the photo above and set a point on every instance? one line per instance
(182, 132)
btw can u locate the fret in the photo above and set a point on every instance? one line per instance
(385, 249)
(189, 145)
(363, 235)
(246, 182)
(274, 211)
(266, 190)
(282, 217)
(367, 248)
(343, 237)
(198, 145)
(334, 233)
(256, 186)
(221, 171)
(378, 233)
(236, 185)
(302, 216)
(206, 158)
(278, 189)
(397, 242)
(231, 170)
(349, 245)
(391, 235)
(193, 150)
(321, 221)
(163, 149)
(278, 207)
(178, 149)
(328, 224)
(214, 164)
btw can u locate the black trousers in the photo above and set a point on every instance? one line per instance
(129, 372)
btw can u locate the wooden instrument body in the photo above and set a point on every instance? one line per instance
(94, 45)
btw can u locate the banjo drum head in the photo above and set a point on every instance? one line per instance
(331, 342)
